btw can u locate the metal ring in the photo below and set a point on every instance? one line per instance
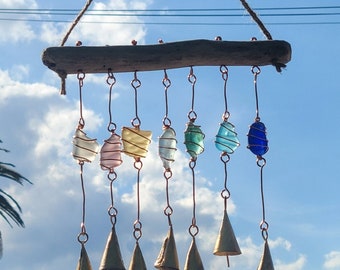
(255, 70)
(193, 230)
(136, 122)
(83, 237)
(261, 162)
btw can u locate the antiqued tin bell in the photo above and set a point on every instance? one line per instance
(168, 258)
(84, 148)
(194, 139)
(193, 260)
(257, 139)
(136, 141)
(266, 262)
(226, 243)
(137, 261)
(84, 261)
(167, 146)
(112, 258)
(226, 138)
(110, 153)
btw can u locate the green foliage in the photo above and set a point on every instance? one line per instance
(9, 207)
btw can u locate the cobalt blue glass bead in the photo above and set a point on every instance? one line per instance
(257, 139)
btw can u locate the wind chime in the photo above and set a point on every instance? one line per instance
(134, 141)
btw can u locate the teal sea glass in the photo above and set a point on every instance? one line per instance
(257, 139)
(194, 140)
(226, 139)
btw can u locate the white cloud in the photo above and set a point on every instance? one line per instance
(332, 260)
(280, 242)
(15, 30)
(105, 33)
(297, 265)
(11, 88)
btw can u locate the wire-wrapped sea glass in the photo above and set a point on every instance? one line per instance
(136, 141)
(257, 139)
(167, 147)
(110, 153)
(84, 148)
(226, 138)
(193, 139)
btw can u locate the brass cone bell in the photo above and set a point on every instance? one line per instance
(193, 260)
(226, 243)
(84, 261)
(266, 262)
(112, 258)
(137, 261)
(168, 258)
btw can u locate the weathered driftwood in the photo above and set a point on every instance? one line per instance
(69, 60)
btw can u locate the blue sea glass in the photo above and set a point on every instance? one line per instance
(193, 140)
(257, 139)
(226, 138)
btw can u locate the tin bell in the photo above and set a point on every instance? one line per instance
(137, 261)
(266, 262)
(226, 243)
(112, 258)
(168, 258)
(193, 260)
(84, 261)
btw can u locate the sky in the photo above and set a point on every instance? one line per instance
(298, 106)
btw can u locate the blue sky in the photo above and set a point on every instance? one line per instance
(299, 108)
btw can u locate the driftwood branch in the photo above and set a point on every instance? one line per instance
(68, 60)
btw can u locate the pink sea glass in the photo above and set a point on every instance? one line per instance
(110, 153)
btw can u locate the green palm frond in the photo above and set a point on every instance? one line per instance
(0, 245)
(6, 209)
(9, 207)
(7, 172)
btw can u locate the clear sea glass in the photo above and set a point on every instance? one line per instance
(136, 142)
(193, 140)
(257, 139)
(226, 138)
(84, 148)
(167, 147)
(110, 154)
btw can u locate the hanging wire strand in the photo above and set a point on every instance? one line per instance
(168, 210)
(82, 236)
(81, 77)
(256, 71)
(137, 226)
(136, 83)
(167, 83)
(225, 193)
(256, 19)
(193, 229)
(75, 22)
(192, 79)
(224, 72)
(111, 80)
(112, 211)
(261, 162)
